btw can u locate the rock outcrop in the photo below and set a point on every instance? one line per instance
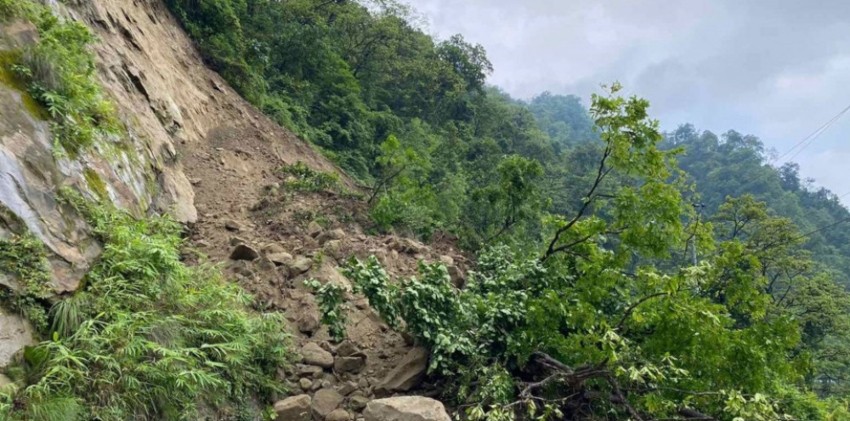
(407, 374)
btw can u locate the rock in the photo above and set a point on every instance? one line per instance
(265, 264)
(325, 401)
(308, 370)
(313, 354)
(335, 234)
(176, 196)
(347, 388)
(300, 265)
(232, 225)
(338, 415)
(334, 249)
(308, 323)
(295, 408)
(314, 229)
(235, 241)
(244, 252)
(406, 408)
(457, 277)
(358, 402)
(15, 334)
(349, 364)
(406, 245)
(329, 272)
(305, 383)
(280, 259)
(447, 260)
(273, 248)
(346, 348)
(7, 385)
(407, 374)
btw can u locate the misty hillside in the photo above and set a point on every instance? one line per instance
(315, 210)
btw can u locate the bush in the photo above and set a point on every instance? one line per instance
(331, 299)
(24, 257)
(303, 178)
(147, 337)
(59, 73)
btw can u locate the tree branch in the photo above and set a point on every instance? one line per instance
(635, 305)
(601, 173)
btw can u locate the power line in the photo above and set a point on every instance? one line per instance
(801, 236)
(808, 140)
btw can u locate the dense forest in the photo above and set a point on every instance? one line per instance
(621, 272)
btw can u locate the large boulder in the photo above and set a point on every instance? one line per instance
(406, 408)
(325, 401)
(313, 354)
(295, 408)
(407, 374)
(351, 364)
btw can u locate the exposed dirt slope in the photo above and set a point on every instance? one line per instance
(231, 154)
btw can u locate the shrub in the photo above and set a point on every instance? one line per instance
(303, 178)
(25, 258)
(147, 337)
(59, 72)
(331, 298)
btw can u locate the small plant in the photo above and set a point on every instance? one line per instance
(371, 280)
(303, 178)
(24, 257)
(331, 298)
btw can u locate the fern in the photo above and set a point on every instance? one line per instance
(148, 337)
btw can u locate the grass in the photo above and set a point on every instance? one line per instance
(58, 73)
(147, 337)
(25, 259)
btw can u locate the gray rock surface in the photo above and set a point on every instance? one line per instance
(406, 408)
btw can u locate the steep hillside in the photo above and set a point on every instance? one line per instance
(198, 151)
(555, 266)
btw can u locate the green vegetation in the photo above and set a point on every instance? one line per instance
(613, 309)
(96, 184)
(58, 72)
(25, 260)
(302, 178)
(602, 289)
(147, 337)
(331, 299)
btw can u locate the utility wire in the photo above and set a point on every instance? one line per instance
(808, 140)
(801, 236)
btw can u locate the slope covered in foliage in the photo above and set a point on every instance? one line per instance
(146, 336)
(601, 292)
(735, 164)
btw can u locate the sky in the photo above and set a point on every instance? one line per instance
(777, 69)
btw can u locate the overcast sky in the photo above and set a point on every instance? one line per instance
(777, 69)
